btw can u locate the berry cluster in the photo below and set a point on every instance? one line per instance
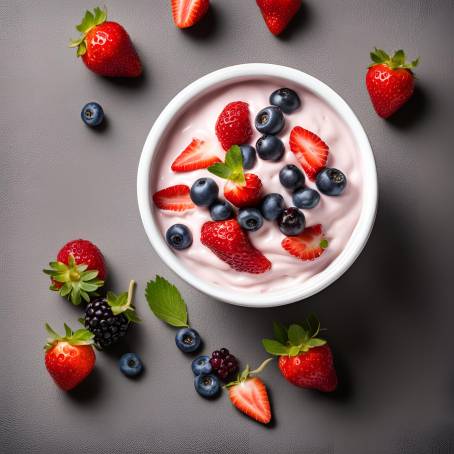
(224, 364)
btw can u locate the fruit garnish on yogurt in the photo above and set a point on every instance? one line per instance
(249, 198)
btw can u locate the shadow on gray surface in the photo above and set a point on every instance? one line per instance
(300, 22)
(206, 28)
(413, 111)
(89, 390)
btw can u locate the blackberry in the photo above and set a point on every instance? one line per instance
(224, 364)
(109, 318)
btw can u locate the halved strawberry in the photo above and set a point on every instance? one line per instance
(242, 189)
(248, 394)
(309, 245)
(187, 13)
(174, 198)
(310, 150)
(233, 126)
(197, 155)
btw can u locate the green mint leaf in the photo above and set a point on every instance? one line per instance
(316, 342)
(234, 158)
(274, 347)
(297, 335)
(324, 244)
(166, 303)
(280, 333)
(220, 170)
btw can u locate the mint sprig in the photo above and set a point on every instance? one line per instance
(379, 56)
(295, 339)
(122, 303)
(232, 168)
(166, 302)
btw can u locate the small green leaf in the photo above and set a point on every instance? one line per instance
(274, 347)
(58, 266)
(311, 325)
(88, 287)
(85, 296)
(294, 350)
(89, 275)
(100, 15)
(75, 297)
(297, 335)
(220, 170)
(66, 289)
(68, 332)
(81, 268)
(398, 58)
(51, 332)
(316, 342)
(166, 303)
(245, 373)
(132, 316)
(82, 49)
(324, 243)
(280, 333)
(234, 158)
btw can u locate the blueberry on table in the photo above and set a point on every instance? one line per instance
(291, 177)
(201, 365)
(131, 364)
(204, 192)
(270, 148)
(272, 206)
(291, 222)
(250, 219)
(270, 120)
(187, 340)
(207, 385)
(221, 210)
(306, 198)
(92, 114)
(286, 99)
(331, 181)
(249, 156)
(179, 237)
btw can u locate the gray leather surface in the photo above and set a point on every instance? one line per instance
(390, 317)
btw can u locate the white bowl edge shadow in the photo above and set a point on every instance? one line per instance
(359, 236)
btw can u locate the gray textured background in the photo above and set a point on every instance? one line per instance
(390, 317)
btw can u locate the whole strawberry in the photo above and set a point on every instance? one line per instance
(105, 47)
(390, 81)
(78, 272)
(70, 358)
(231, 244)
(278, 13)
(233, 126)
(304, 359)
(241, 189)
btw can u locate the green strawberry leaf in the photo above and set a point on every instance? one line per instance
(81, 337)
(90, 20)
(280, 332)
(166, 302)
(311, 325)
(122, 303)
(297, 335)
(274, 347)
(316, 342)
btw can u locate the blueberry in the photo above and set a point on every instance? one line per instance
(270, 120)
(92, 114)
(270, 148)
(306, 198)
(249, 156)
(131, 364)
(221, 210)
(291, 177)
(201, 365)
(187, 340)
(204, 192)
(179, 237)
(286, 99)
(272, 206)
(250, 219)
(207, 385)
(331, 181)
(291, 222)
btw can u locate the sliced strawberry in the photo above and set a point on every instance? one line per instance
(309, 245)
(187, 13)
(231, 244)
(310, 150)
(197, 155)
(250, 397)
(174, 198)
(244, 195)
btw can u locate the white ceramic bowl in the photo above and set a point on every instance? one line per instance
(220, 78)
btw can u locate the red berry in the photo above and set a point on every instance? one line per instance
(308, 245)
(278, 13)
(174, 198)
(233, 126)
(390, 81)
(197, 155)
(187, 13)
(244, 195)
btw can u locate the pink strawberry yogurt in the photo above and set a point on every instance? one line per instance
(338, 215)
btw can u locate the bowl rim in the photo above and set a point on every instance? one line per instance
(360, 234)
